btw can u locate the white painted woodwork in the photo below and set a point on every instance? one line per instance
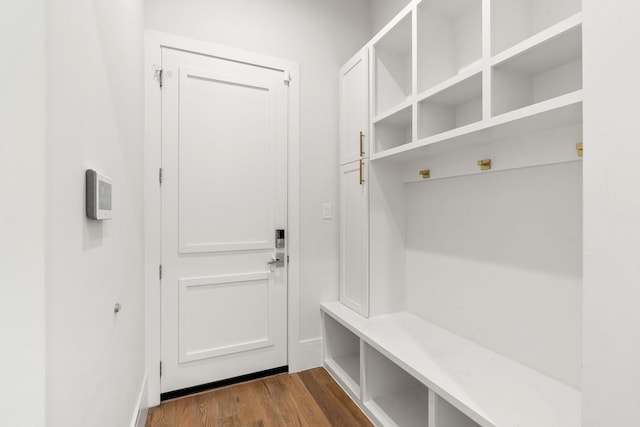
(449, 39)
(490, 389)
(354, 107)
(224, 143)
(513, 21)
(354, 236)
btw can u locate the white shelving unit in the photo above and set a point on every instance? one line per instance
(460, 88)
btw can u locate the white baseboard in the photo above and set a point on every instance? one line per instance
(139, 418)
(307, 354)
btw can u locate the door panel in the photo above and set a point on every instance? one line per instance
(224, 142)
(242, 301)
(225, 170)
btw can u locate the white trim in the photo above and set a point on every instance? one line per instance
(154, 42)
(139, 418)
(308, 355)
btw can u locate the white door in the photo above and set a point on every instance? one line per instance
(224, 136)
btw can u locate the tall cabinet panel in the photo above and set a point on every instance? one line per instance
(354, 237)
(354, 197)
(354, 108)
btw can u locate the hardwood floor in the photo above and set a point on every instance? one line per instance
(310, 398)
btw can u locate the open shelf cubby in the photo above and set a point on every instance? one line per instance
(449, 39)
(393, 65)
(513, 21)
(394, 130)
(444, 414)
(454, 107)
(392, 395)
(548, 70)
(342, 354)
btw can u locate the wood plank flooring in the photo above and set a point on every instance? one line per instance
(307, 399)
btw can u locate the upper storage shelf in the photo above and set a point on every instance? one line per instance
(449, 39)
(513, 21)
(393, 67)
(544, 71)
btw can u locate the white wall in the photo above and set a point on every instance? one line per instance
(382, 11)
(497, 258)
(22, 149)
(320, 36)
(611, 372)
(94, 119)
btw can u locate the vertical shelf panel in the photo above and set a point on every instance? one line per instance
(449, 39)
(513, 21)
(393, 64)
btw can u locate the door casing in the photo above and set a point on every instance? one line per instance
(154, 42)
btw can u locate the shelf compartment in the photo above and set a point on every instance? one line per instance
(394, 130)
(546, 71)
(444, 414)
(392, 395)
(555, 113)
(449, 39)
(342, 355)
(393, 66)
(513, 21)
(454, 107)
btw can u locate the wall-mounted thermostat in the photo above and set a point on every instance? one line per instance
(98, 195)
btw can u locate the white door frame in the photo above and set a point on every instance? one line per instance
(154, 42)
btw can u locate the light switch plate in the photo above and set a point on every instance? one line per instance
(326, 211)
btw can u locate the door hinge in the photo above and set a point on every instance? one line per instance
(160, 271)
(161, 368)
(287, 77)
(160, 175)
(287, 259)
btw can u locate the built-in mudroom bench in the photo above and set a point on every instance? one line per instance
(405, 371)
(461, 217)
